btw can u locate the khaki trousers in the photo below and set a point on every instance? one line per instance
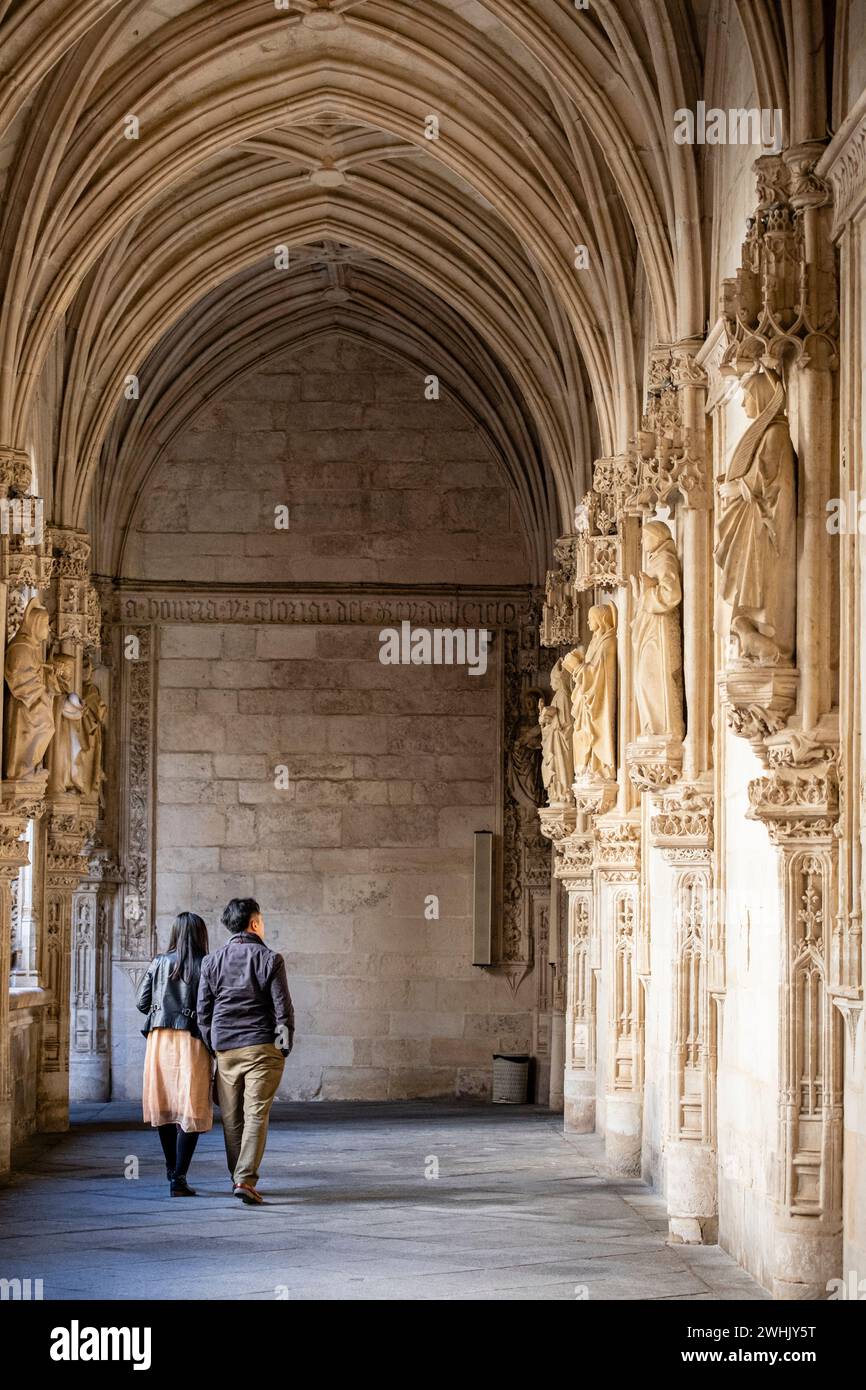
(247, 1081)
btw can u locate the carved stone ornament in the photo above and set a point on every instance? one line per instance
(759, 701)
(557, 822)
(617, 845)
(16, 472)
(574, 856)
(604, 557)
(797, 803)
(779, 304)
(654, 761)
(594, 795)
(560, 619)
(682, 825)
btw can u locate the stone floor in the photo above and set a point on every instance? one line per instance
(518, 1211)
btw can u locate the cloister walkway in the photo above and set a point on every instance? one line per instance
(354, 1211)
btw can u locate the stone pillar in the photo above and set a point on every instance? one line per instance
(696, 548)
(70, 824)
(682, 828)
(94, 906)
(18, 803)
(574, 869)
(799, 805)
(817, 644)
(558, 977)
(616, 872)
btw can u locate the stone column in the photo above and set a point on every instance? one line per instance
(558, 980)
(682, 828)
(70, 824)
(94, 906)
(14, 813)
(799, 805)
(696, 545)
(817, 572)
(616, 872)
(574, 869)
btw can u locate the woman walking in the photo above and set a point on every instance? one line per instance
(176, 1094)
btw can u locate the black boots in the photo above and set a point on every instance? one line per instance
(180, 1187)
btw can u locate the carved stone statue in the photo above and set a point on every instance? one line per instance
(593, 696)
(68, 712)
(29, 711)
(655, 635)
(557, 759)
(757, 529)
(88, 774)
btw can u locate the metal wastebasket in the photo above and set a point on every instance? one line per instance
(510, 1078)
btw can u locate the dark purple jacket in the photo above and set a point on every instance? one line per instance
(243, 997)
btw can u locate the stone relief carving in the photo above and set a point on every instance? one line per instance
(135, 931)
(525, 851)
(757, 528)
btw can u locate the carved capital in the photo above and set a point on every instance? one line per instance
(71, 825)
(797, 804)
(574, 858)
(682, 825)
(617, 845)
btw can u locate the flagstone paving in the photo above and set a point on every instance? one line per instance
(363, 1201)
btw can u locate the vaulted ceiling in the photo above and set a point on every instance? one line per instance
(308, 126)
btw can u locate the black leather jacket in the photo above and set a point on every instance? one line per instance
(168, 1003)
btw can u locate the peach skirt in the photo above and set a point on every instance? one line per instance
(177, 1081)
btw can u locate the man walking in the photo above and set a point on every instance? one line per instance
(246, 1018)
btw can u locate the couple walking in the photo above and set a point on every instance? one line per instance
(233, 1005)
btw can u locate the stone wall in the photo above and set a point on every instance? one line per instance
(381, 484)
(388, 770)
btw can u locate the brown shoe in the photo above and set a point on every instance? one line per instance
(247, 1194)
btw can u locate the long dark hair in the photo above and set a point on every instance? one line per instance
(189, 940)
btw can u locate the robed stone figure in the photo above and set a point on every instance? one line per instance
(557, 756)
(757, 528)
(29, 714)
(655, 634)
(593, 697)
(88, 774)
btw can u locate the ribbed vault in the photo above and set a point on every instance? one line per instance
(309, 128)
